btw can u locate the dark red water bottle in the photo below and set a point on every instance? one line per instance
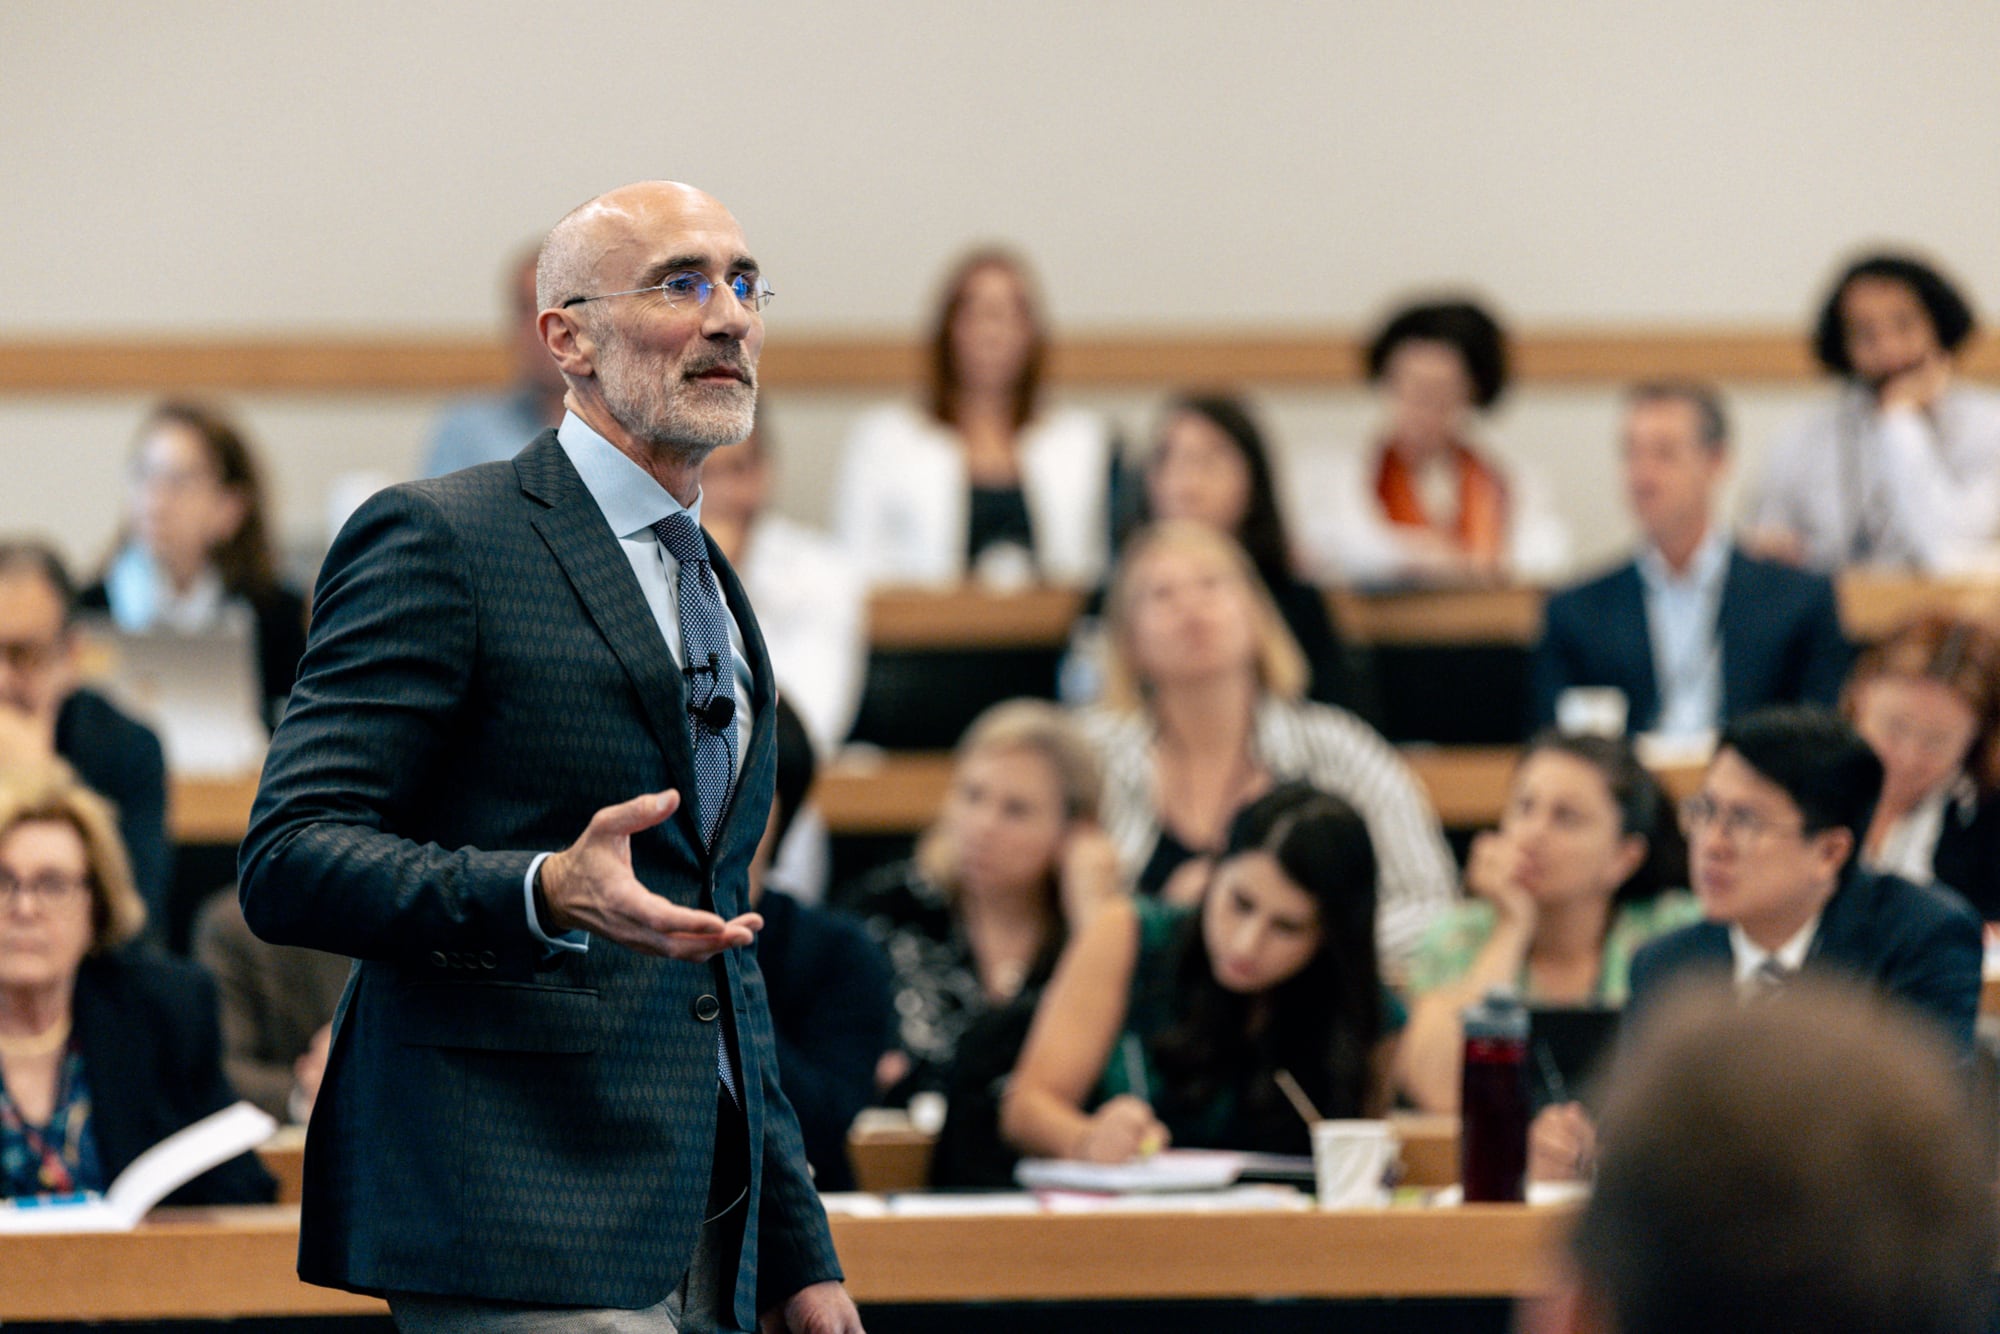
(1493, 1101)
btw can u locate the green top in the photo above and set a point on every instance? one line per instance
(1152, 1007)
(1447, 950)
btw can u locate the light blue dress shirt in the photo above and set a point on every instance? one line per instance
(632, 502)
(1681, 623)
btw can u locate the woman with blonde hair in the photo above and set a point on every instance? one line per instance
(103, 1052)
(1927, 702)
(974, 922)
(1204, 711)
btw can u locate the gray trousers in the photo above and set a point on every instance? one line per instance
(699, 1305)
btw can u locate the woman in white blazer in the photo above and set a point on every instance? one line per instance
(981, 480)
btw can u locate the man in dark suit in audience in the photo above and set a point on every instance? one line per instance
(1808, 1163)
(1692, 631)
(521, 778)
(44, 713)
(1772, 837)
(831, 994)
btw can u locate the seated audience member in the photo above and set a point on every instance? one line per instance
(1772, 841)
(1203, 712)
(973, 923)
(1807, 1164)
(1585, 868)
(1209, 464)
(196, 548)
(1927, 699)
(492, 428)
(811, 601)
(1425, 503)
(984, 479)
(45, 714)
(103, 1052)
(1172, 1024)
(277, 1008)
(832, 1015)
(1694, 631)
(1902, 466)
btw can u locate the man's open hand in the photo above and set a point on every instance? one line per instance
(823, 1308)
(590, 885)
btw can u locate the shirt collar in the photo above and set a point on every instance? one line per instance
(1790, 956)
(631, 498)
(1704, 571)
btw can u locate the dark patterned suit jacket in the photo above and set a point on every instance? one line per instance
(1779, 627)
(500, 1120)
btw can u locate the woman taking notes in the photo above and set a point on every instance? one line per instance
(1167, 1024)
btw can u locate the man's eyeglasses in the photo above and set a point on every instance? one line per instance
(688, 289)
(1739, 825)
(49, 889)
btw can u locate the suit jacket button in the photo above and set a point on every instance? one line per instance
(488, 959)
(438, 960)
(706, 1008)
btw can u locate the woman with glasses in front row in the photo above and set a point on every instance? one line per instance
(103, 1052)
(1927, 702)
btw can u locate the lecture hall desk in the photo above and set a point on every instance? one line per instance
(233, 1263)
(1467, 783)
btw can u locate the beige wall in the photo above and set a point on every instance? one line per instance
(223, 167)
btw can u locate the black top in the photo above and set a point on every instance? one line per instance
(833, 1017)
(1967, 856)
(280, 614)
(146, 1026)
(997, 516)
(120, 759)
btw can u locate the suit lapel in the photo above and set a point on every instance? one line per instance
(574, 530)
(763, 689)
(1732, 629)
(1629, 608)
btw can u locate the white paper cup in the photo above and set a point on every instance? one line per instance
(1591, 711)
(1351, 1163)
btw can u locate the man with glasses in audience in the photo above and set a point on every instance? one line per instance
(45, 714)
(1772, 837)
(521, 779)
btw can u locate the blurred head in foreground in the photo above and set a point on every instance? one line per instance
(1809, 1162)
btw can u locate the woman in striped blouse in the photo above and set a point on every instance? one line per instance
(1204, 711)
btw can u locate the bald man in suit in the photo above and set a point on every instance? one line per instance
(521, 779)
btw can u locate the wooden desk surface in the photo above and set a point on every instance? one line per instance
(1871, 604)
(899, 793)
(234, 1263)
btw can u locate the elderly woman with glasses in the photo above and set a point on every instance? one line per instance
(102, 1053)
(1927, 701)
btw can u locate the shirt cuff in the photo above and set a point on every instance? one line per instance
(577, 941)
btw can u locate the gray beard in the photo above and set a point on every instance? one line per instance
(686, 420)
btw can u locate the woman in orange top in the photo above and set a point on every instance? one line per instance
(1424, 503)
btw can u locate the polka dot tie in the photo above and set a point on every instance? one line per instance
(707, 664)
